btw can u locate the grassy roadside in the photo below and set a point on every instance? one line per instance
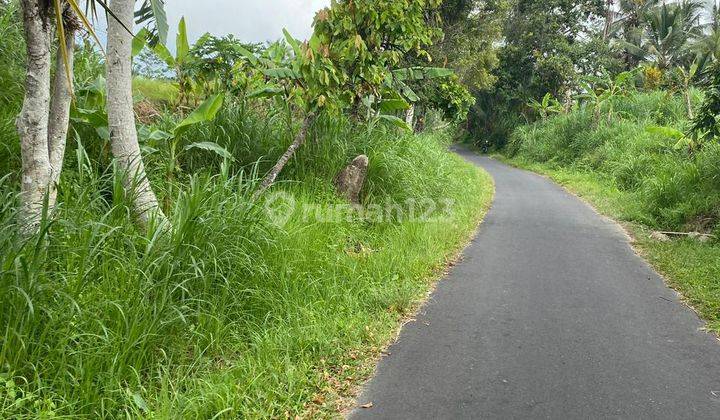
(432, 247)
(691, 268)
(233, 315)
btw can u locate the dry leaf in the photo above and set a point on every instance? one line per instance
(368, 405)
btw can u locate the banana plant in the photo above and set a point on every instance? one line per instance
(682, 141)
(207, 111)
(687, 76)
(93, 115)
(549, 105)
(599, 91)
(180, 62)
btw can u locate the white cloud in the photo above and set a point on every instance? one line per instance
(248, 20)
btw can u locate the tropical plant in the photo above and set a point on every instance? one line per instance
(544, 45)
(600, 91)
(121, 115)
(628, 27)
(682, 141)
(707, 45)
(43, 121)
(669, 29)
(685, 78)
(219, 63)
(181, 62)
(472, 30)
(547, 106)
(706, 124)
(350, 63)
(151, 16)
(207, 111)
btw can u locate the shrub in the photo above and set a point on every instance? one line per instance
(675, 188)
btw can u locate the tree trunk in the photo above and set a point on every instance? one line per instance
(688, 103)
(568, 100)
(121, 116)
(609, 14)
(410, 117)
(299, 140)
(60, 108)
(32, 124)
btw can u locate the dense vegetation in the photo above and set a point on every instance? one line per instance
(241, 305)
(639, 151)
(190, 254)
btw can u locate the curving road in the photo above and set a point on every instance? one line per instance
(549, 315)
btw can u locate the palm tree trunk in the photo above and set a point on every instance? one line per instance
(60, 108)
(121, 116)
(32, 124)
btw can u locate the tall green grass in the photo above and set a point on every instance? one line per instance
(12, 57)
(230, 314)
(674, 189)
(158, 91)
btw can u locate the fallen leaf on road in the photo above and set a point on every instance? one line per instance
(368, 405)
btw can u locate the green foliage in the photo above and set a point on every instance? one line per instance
(641, 152)
(151, 15)
(668, 30)
(205, 112)
(157, 90)
(547, 106)
(541, 44)
(708, 44)
(12, 55)
(181, 63)
(544, 45)
(449, 96)
(12, 61)
(600, 92)
(231, 313)
(338, 68)
(365, 38)
(219, 64)
(706, 124)
(471, 30)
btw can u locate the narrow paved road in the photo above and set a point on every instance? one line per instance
(549, 315)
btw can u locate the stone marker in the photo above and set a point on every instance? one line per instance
(350, 180)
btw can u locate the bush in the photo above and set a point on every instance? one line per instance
(676, 189)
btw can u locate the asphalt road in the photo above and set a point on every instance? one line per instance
(550, 314)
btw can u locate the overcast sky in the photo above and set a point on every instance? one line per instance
(248, 20)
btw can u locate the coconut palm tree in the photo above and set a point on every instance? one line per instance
(121, 116)
(626, 26)
(43, 121)
(664, 34)
(708, 44)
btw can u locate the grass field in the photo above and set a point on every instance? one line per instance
(233, 314)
